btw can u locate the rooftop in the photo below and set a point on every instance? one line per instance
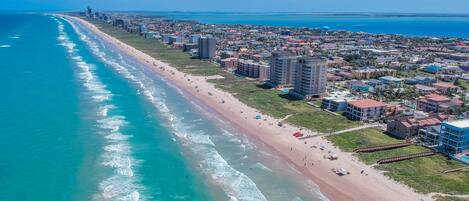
(444, 85)
(460, 123)
(340, 96)
(367, 103)
(436, 97)
(390, 78)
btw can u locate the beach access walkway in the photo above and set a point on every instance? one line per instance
(372, 125)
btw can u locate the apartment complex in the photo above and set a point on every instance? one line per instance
(432, 102)
(454, 136)
(310, 79)
(282, 69)
(370, 73)
(337, 101)
(207, 47)
(365, 109)
(252, 69)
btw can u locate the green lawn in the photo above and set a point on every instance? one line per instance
(362, 138)
(253, 93)
(276, 103)
(423, 174)
(321, 121)
(450, 198)
(463, 84)
(158, 50)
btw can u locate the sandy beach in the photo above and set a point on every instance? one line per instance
(304, 154)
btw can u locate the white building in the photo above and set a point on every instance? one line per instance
(310, 80)
(337, 100)
(282, 69)
(366, 109)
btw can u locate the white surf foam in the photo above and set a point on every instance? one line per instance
(236, 184)
(123, 184)
(5, 46)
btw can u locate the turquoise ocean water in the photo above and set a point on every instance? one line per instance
(80, 120)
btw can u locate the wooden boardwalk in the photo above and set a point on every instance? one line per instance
(405, 157)
(383, 147)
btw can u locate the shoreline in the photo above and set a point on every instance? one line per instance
(355, 186)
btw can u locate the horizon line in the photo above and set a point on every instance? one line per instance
(246, 12)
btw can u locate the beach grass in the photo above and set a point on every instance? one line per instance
(257, 95)
(321, 121)
(450, 198)
(423, 174)
(463, 84)
(156, 49)
(253, 93)
(362, 138)
(278, 104)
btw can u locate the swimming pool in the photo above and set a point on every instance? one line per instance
(465, 158)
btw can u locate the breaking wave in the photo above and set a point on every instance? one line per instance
(122, 184)
(237, 185)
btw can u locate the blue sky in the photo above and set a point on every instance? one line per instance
(405, 6)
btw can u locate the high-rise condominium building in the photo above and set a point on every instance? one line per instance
(207, 47)
(310, 80)
(282, 69)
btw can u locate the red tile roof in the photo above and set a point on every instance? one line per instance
(366, 103)
(445, 85)
(436, 97)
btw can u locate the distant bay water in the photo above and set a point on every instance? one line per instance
(411, 25)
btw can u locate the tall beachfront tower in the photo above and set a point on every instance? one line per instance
(282, 69)
(454, 136)
(207, 47)
(310, 78)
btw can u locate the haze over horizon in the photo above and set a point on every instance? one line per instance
(333, 6)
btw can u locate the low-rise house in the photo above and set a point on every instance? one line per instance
(453, 70)
(409, 126)
(431, 102)
(391, 81)
(431, 135)
(420, 80)
(424, 89)
(187, 47)
(359, 86)
(449, 77)
(345, 75)
(432, 68)
(374, 82)
(452, 107)
(370, 73)
(454, 136)
(366, 109)
(229, 63)
(334, 78)
(445, 87)
(337, 101)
